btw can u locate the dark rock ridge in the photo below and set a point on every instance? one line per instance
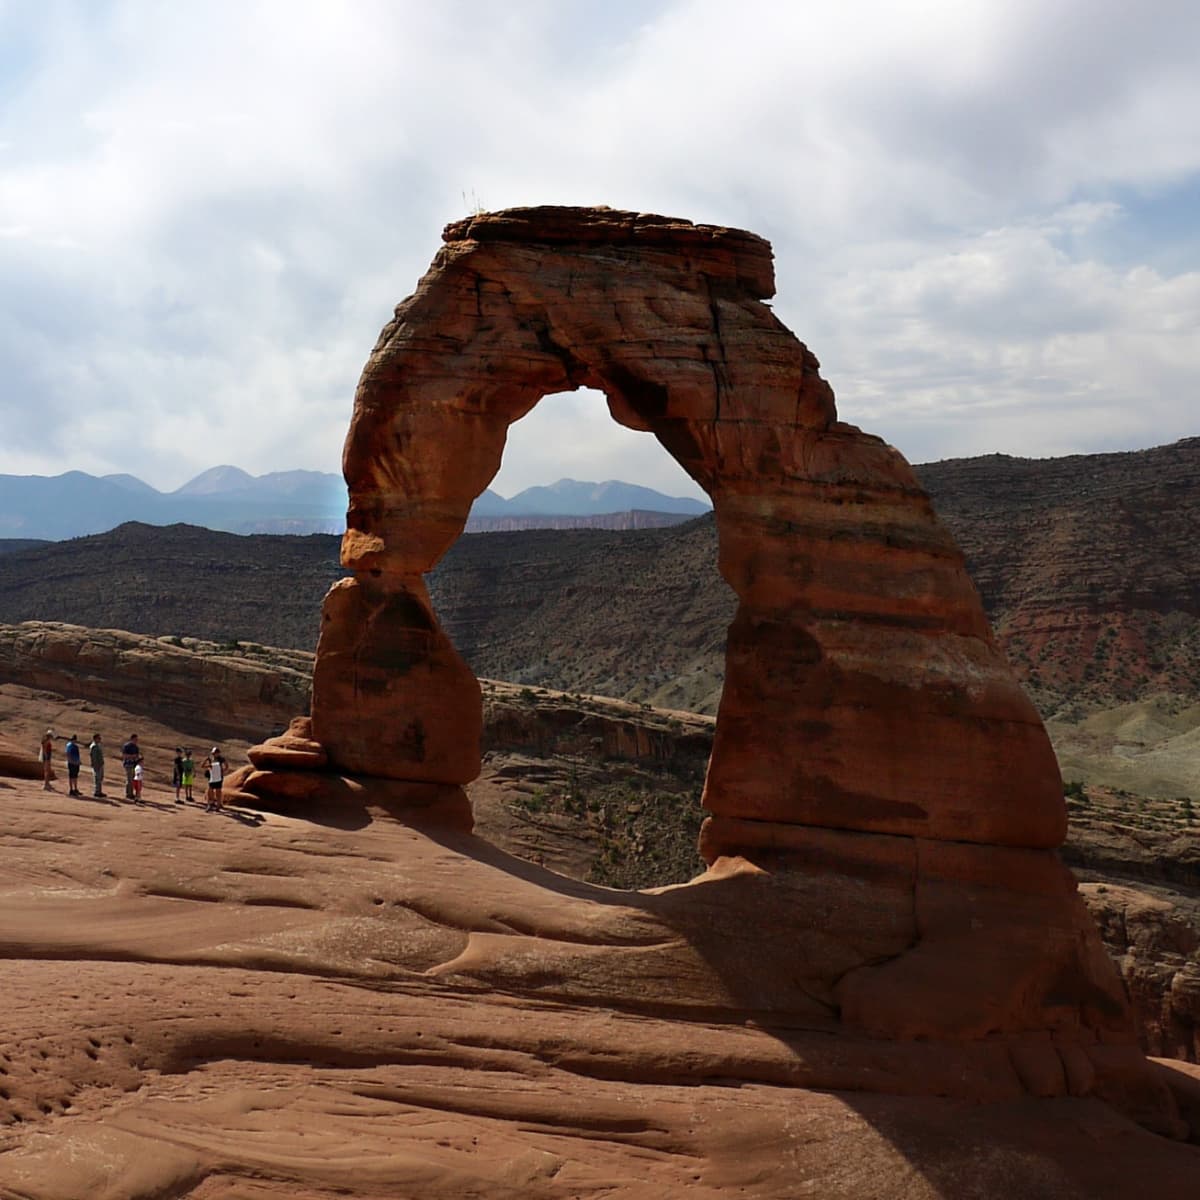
(1087, 565)
(173, 582)
(635, 518)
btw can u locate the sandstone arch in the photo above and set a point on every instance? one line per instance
(863, 688)
(883, 800)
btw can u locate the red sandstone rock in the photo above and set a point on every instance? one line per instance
(863, 688)
(397, 700)
(205, 688)
(315, 793)
(295, 748)
(884, 798)
(294, 1010)
(20, 764)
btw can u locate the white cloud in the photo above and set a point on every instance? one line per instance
(1003, 342)
(207, 211)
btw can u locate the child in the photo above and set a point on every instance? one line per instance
(138, 772)
(177, 773)
(187, 772)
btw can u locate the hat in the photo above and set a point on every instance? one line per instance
(215, 750)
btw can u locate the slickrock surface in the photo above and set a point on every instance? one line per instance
(608, 791)
(204, 1006)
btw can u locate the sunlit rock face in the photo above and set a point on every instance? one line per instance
(874, 757)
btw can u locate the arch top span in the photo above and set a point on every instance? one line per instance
(733, 255)
(665, 317)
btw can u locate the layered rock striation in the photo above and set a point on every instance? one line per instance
(859, 651)
(216, 690)
(873, 753)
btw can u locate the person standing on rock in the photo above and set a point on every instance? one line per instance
(131, 755)
(187, 770)
(214, 768)
(96, 754)
(177, 773)
(45, 754)
(74, 759)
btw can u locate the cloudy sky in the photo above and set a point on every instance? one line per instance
(985, 213)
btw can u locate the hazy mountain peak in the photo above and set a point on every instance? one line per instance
(578, 497)
(131, 483)
(216, 479)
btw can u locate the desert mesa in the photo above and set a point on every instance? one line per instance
(884, 983)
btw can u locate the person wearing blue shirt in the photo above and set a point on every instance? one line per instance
(73, 759)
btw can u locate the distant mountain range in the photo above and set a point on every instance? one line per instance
(52, 508)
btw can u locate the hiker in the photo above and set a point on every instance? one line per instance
(138, 774)
(131, 755)
(188, 773)
(177, 773)
(214, 768)
(96, 753)
(73, 757)
(45, 753)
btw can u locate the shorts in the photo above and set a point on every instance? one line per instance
(215, 784)
(72, 770)
(187, 779)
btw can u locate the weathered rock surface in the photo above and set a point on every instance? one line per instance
(265, 1006)
(1155, 939)
(1142, 886)
(284, 1009)
(293, 748)
(215, 691)
(859, 652)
